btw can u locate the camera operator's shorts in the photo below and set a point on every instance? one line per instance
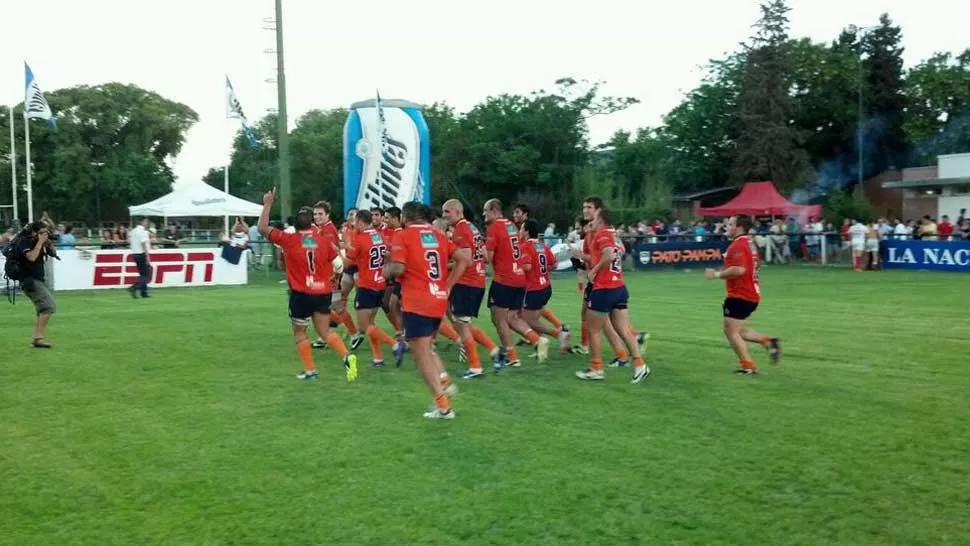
(38, 293)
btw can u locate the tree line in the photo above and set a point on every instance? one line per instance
(779, 108)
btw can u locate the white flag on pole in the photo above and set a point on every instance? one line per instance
(35, 104)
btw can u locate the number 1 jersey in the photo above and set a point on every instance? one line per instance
(309, 260)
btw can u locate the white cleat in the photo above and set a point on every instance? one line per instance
(543, 349)
(640, 373)
(591, 374)
(436, 413)
(564, 339)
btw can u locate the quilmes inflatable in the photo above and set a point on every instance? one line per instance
(387, 155)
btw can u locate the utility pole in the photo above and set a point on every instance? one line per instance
(283, 143)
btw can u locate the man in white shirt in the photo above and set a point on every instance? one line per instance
(857, 237)
(139, 243)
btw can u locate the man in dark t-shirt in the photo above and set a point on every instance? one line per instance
(33, 248)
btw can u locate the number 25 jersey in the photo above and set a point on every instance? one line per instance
(610, 275)
(367, 251)
(424, 251)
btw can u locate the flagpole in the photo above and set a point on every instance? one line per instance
(226, 184)
(13, 166)
(30, 188)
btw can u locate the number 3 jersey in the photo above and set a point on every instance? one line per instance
(610, 275)
(424, 251)
(309, 260)
(367, 250)
(538, 254)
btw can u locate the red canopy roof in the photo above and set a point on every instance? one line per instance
(761, 199)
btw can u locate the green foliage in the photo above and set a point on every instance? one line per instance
(110, 149)
(884, 101)
(938, 106)
(842, 204)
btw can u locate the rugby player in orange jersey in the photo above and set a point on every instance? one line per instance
(367, 252)
(507, 292)
(392, 295)
(609, 298)
(309, 269)
(621, 357)
(419, 260)
(539, 260)
(469, 291)
(324, 224)
(740, 274)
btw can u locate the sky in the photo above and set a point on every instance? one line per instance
(337, 53)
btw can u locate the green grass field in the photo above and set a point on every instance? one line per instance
(177, 420)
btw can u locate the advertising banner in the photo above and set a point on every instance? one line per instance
(927, 255)
(387, 155)
(679, 254)
(96, 269)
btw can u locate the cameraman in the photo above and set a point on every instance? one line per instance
(33, 247)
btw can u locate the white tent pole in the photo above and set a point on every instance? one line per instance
(226, 189)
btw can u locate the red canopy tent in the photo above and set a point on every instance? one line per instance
(761, 199)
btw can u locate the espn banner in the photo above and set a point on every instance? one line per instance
(925, 255)
(97, 269)
(677, 254)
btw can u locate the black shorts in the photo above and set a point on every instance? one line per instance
(465, 301)
(416, 325)
(506, 297)
(605, 300)
(537, 299)
(350, 271)
(739, 309)
(368, 299)
(304, 306)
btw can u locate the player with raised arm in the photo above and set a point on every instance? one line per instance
(469, 291)
(609, 298)
(419, 258)
(309, 269)
(503, 250)
(367, 252)
(740, 274)
(324, 224)
(539, 261)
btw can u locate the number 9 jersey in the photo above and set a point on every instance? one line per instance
(610, 275)
(424, 251)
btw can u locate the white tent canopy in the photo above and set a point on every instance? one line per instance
(197, 199)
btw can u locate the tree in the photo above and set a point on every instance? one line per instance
(251, 170)
(769, 146)
(110, 149)
(938, 106)
(824, 106)
(884, 102)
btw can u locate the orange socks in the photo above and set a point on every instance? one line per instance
(638, 362)
(348, 322)
(471, 349)
(622, 355)
(551, 317)
(337, 344)
(531, 336)
(447, 330)
(442, 402)
(512, 353)
(765, 341)
(596, 364)
(306, 354)
(748, 365)
(482, 338)
(378, 336)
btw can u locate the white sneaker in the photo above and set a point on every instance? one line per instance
(564, 340)
(436, 413)
(640, 373)
(591, 374)
(543, 349)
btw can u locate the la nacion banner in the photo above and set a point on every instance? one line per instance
(925, 255)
